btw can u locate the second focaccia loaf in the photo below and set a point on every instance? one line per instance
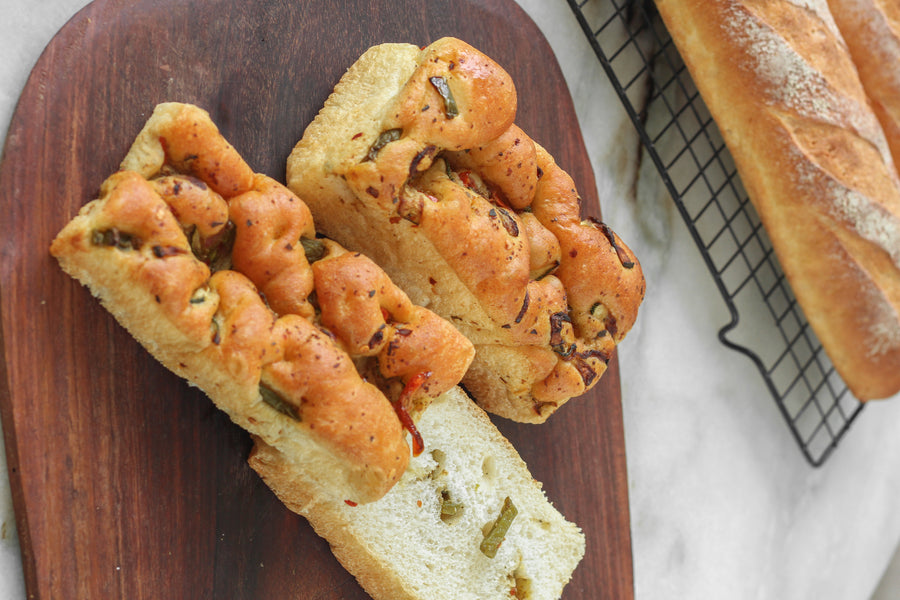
(415, 161)
(780, 83)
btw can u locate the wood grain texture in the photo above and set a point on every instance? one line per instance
(129, 484)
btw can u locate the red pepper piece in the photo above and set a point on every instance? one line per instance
(412, 386)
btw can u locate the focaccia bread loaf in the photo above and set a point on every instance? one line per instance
(422, 540)
(871, 29)
(780, 83)
(415, 160)
(218, 272)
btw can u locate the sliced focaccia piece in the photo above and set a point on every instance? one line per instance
(415, 160)
(218, 272)
(436, 533)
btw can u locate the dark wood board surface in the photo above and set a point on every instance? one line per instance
(126, 482)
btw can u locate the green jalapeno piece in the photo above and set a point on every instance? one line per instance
(491, 542)
(274, 399)
(313, 248)
(440, 84)
(385, 138)
(449, 508)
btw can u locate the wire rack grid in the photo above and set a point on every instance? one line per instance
(681, 139)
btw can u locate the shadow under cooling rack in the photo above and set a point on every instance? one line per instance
(681, 139)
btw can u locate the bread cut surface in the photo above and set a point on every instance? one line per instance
(784, 91)
(467, 461)
(415, 160)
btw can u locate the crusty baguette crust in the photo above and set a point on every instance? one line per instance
(781, 85)
(871, 29)
(472, 218)
(466, 455)
(289, 376)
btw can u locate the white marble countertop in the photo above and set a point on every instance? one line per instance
(723, 504)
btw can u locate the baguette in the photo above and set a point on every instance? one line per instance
(217, 271)
(871, 29)
(415, 160)
(780, 83)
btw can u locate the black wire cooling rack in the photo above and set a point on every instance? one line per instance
(684, 144)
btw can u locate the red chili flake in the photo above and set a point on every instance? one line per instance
(394, 220)
(418, 444)
(499, 201)
(350, 503)
(357, 136)
(414, 384)
(465, 177)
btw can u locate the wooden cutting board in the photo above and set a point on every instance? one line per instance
(129, 484)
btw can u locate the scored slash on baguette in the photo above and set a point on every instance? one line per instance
(871, 29)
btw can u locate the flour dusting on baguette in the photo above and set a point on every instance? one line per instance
(871, 29)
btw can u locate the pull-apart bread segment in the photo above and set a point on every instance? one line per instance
(781, 85)
(219, 273)
(415, 160)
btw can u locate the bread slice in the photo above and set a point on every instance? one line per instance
(400, 548)
(415, 161)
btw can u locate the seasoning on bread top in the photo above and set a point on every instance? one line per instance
(415, 160)
(218, 272)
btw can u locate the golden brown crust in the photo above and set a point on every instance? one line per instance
(178, 138)
(783, 89)
(473, 218)
(270, 223)
(871, 29)
(281, 374)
